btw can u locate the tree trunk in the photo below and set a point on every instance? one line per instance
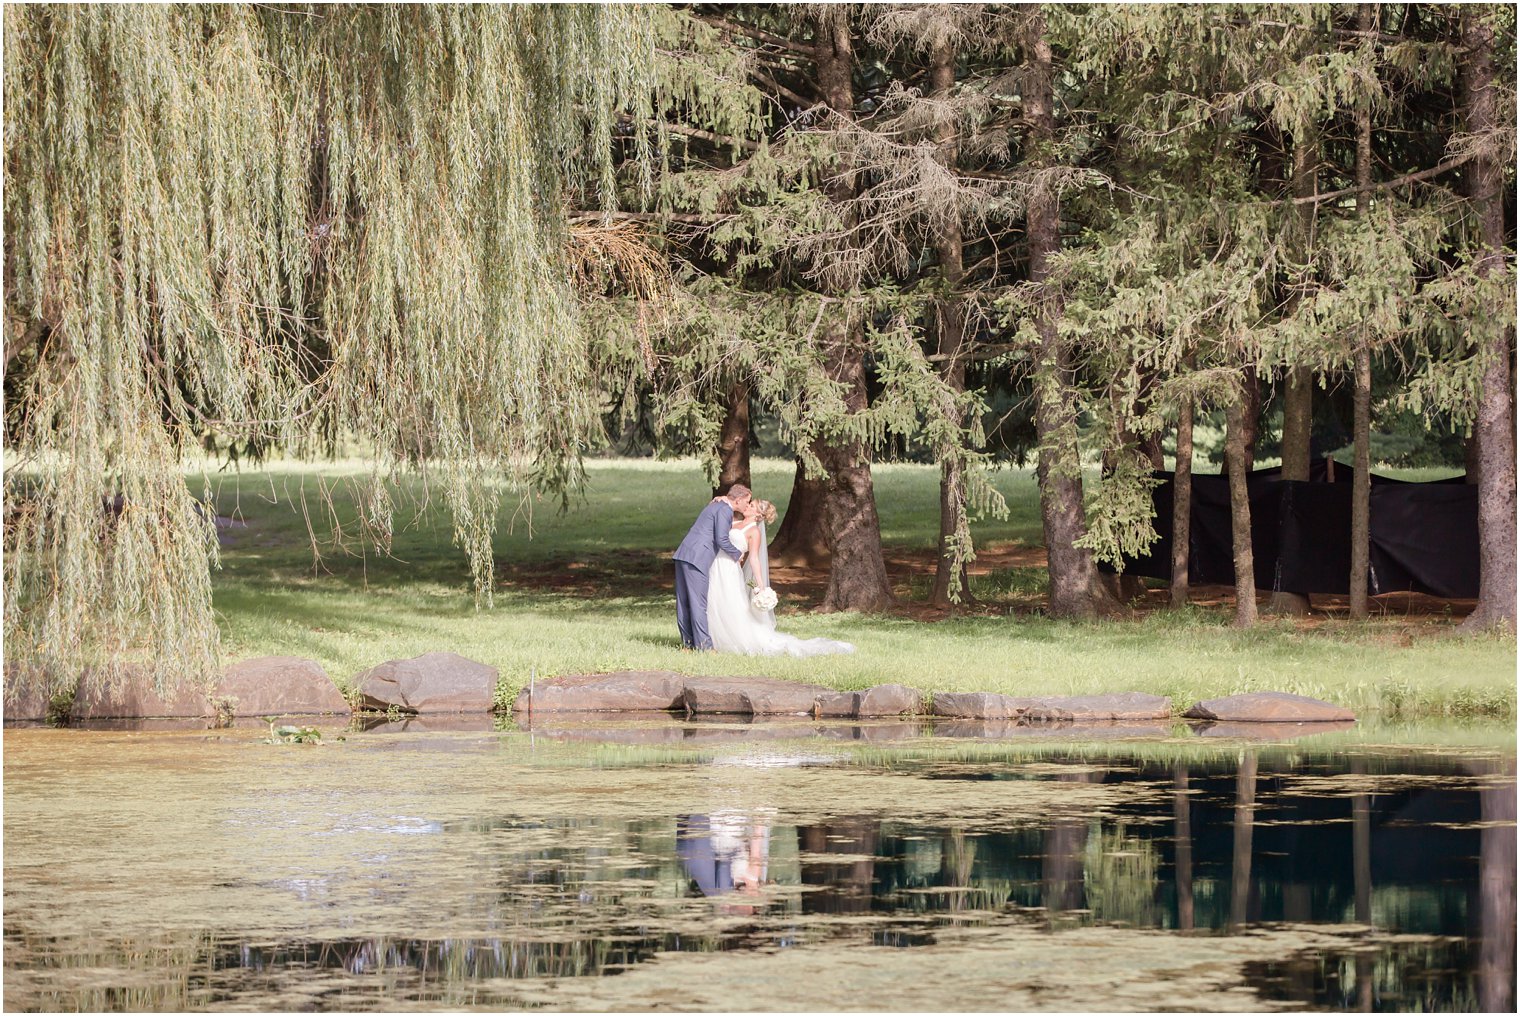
(1297, 409)
(1298, 384)
(1075, 589)
(1361, 481)
(951, 585)
(1298, 413)
(801, 541)
(1251, 420)
(1182, 504)
(1361, 390)
(857, 572)
(733, 441)
(1240, 514)
(1495, 425)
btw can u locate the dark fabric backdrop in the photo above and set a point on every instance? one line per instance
(1424, 536)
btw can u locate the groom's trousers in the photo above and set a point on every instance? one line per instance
(691, 605)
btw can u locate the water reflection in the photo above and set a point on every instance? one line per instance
(1410, 858)
(727, 852)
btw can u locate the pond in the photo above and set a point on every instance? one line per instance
(734, 867)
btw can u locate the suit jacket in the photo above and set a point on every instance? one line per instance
(708, 536)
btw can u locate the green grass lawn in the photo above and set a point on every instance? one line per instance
(351, 610)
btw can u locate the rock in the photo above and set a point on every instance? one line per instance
(1268, 707)
(628, 691)
(980, 705)
(279, 686)
(133, 696)
(1129, 705)
(749, 696)
(33, 704)
(706, 695)
(890, 700)
(782, 698)
(838, 704)
(431, 683)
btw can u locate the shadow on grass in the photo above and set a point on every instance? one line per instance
(658, 642)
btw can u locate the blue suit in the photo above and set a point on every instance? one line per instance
(707, 538)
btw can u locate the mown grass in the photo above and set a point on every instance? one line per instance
(351, 610)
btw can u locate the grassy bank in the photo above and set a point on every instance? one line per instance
(588, 591)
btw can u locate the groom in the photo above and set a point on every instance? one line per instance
(707, 539)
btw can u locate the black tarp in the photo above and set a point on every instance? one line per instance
(1424, 536)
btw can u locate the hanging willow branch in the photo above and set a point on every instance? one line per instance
(291, 223)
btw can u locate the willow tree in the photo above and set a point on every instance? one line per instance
(275, 224)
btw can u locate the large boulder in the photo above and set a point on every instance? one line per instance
(279, 686)
(35, 701)
(133, 695)
(430, 683)
(889, 700)
(1268, 707)
(837, 705)
(1128, 705)
(628, 691)
(980, 705)
(780, 698)
(749, 696)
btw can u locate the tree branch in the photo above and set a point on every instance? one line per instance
(25, 340)
(696, 132)
(1402, 181)
(758, 35)
(682, 217)
(770, 82)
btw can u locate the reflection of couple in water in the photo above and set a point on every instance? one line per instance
(727, 851)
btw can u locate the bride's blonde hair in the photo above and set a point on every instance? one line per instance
(764, 510)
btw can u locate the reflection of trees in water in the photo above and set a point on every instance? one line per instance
(1240, 863)
(1182, 824)
(1065, 853)
(1496, 892)
(1121, 880)
(846, 887)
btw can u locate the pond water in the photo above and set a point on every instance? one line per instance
(756, 867)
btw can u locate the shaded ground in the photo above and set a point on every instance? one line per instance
(1008, 578)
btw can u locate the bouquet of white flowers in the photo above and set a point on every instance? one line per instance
(763, 599)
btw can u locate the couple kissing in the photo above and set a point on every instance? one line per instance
(724, 601)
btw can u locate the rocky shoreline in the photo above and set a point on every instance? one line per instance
(449, 684)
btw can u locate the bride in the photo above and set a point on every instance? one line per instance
(741, 610)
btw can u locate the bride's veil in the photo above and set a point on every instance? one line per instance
(763, 572)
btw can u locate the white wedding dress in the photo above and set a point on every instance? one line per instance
(736, 626)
